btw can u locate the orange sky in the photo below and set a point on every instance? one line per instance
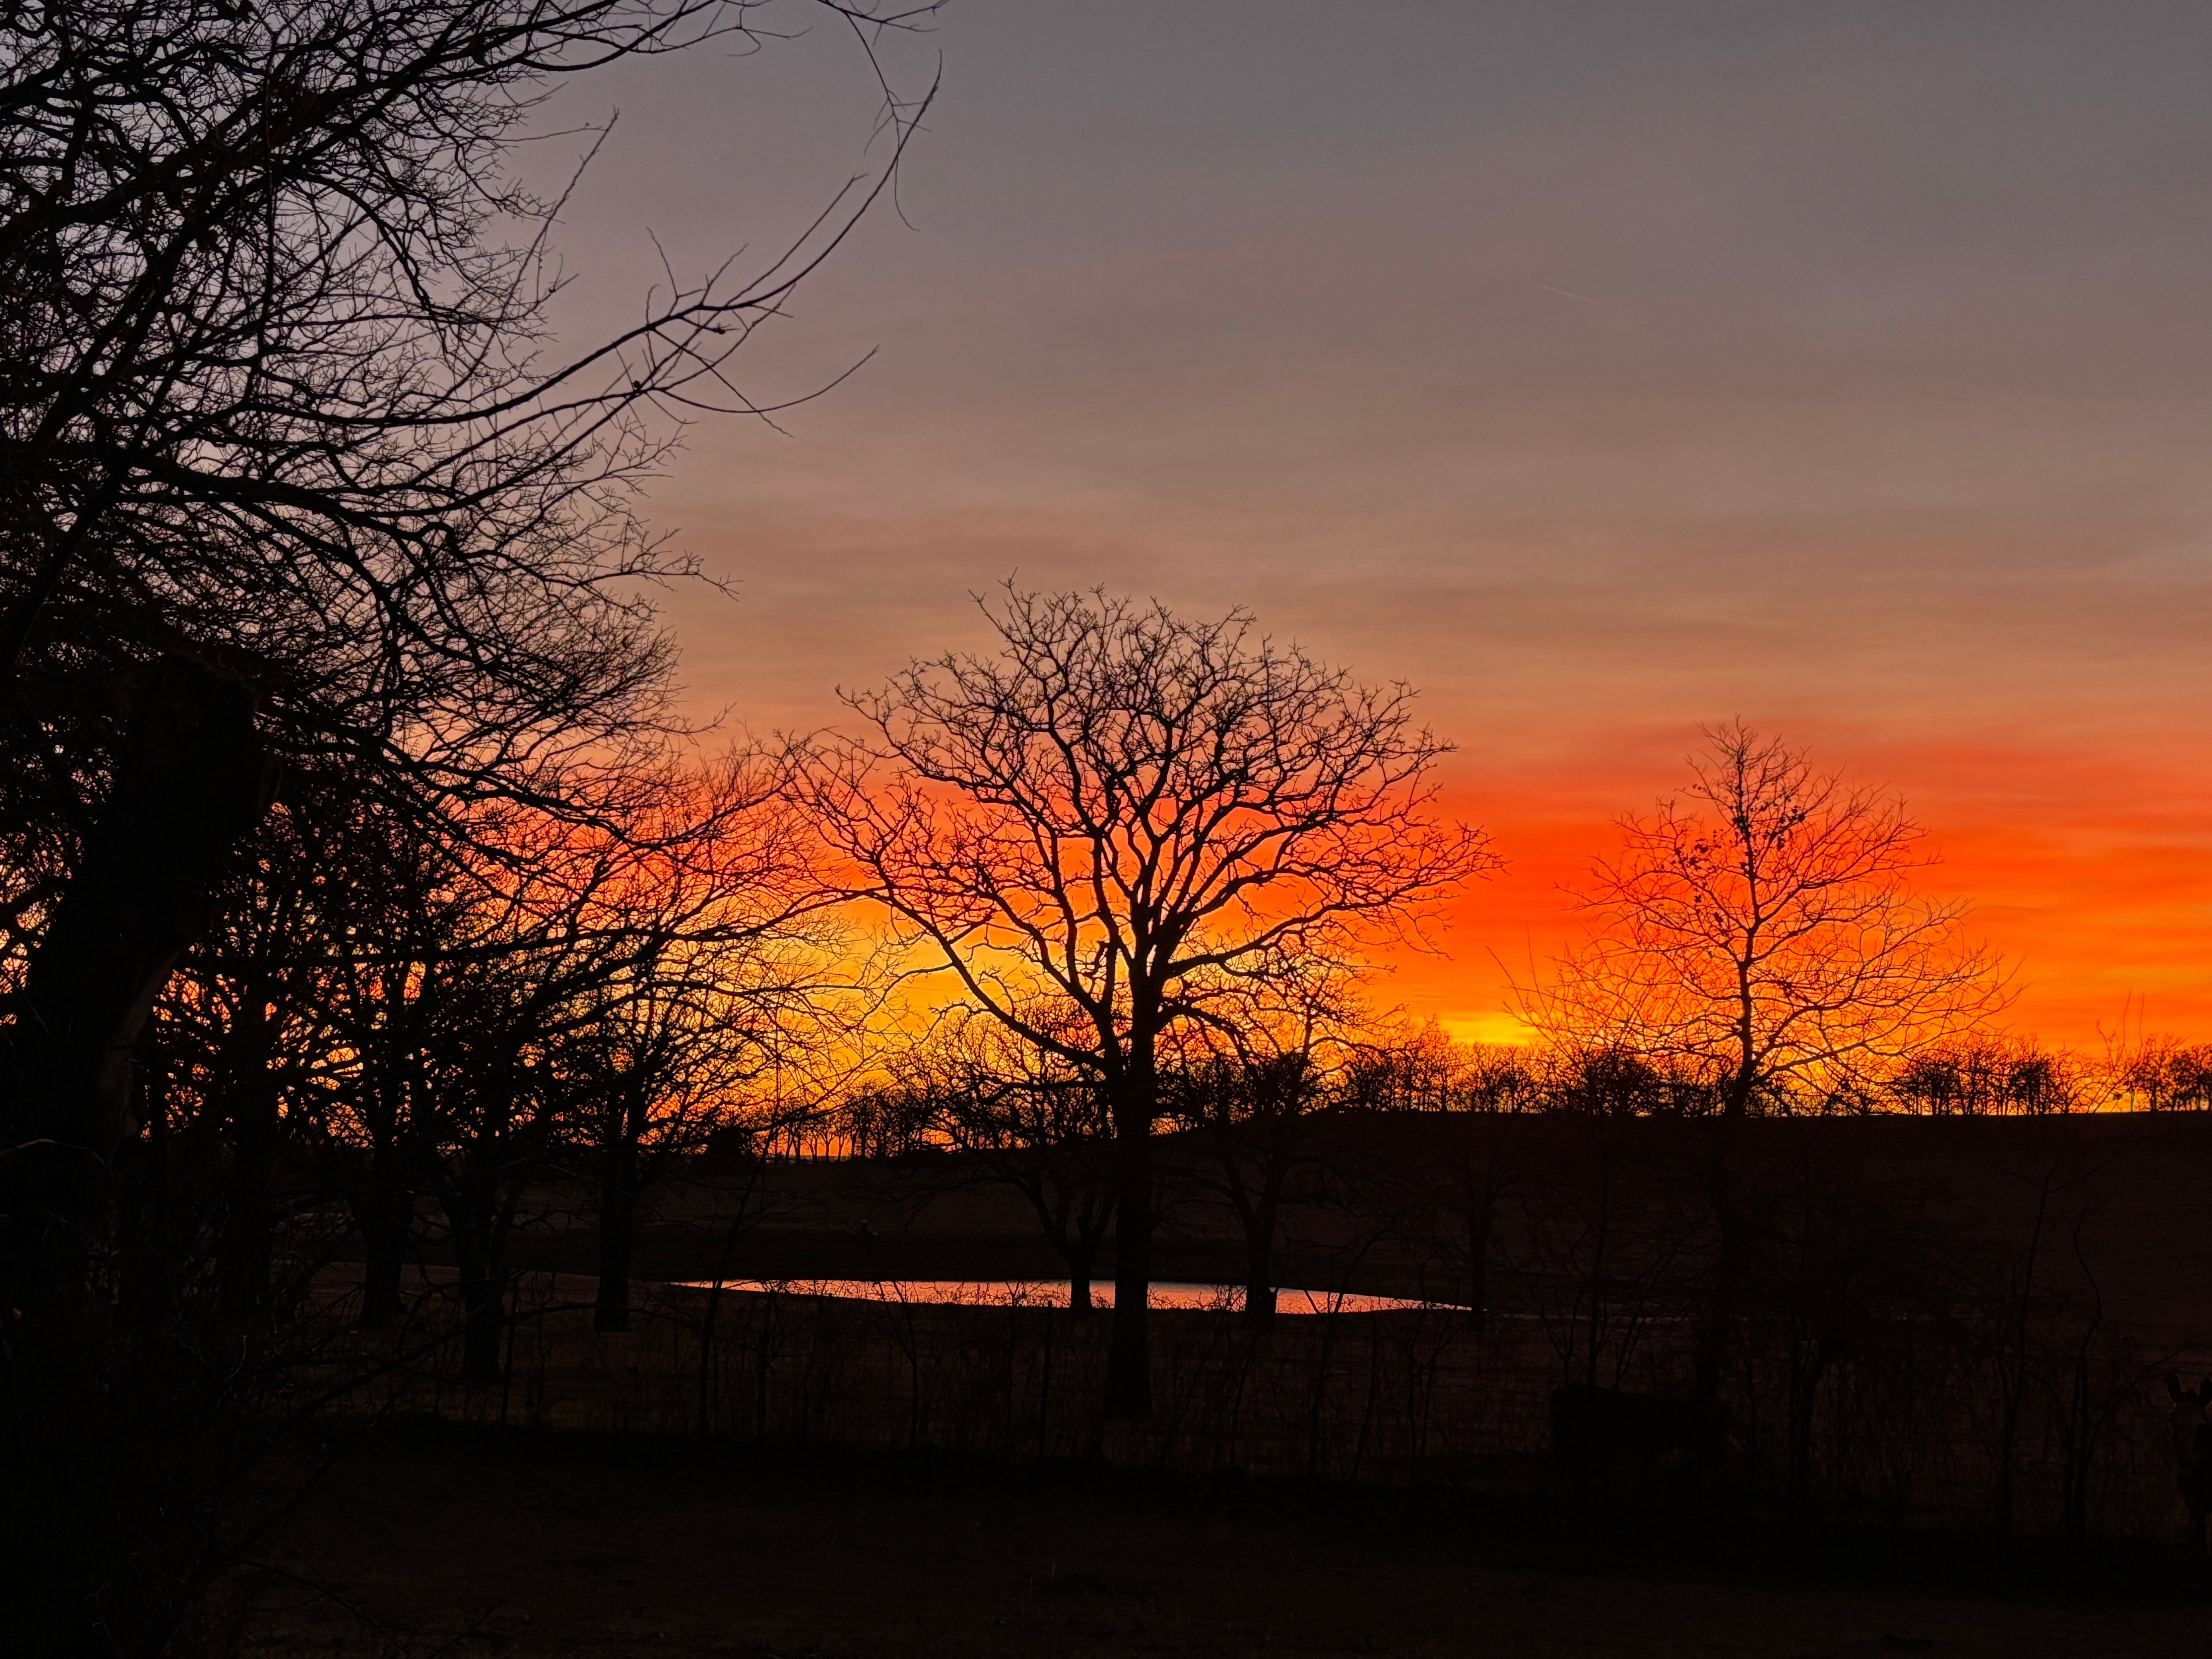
(1601, 369)
(2097, 889)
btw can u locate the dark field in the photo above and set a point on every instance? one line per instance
(783, 1473)
(458, 1544)
(2127, 1198)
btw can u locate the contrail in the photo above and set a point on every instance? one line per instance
(1564, 294)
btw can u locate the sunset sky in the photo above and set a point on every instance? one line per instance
(1601, 369)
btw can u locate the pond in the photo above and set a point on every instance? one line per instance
(1053, 1293)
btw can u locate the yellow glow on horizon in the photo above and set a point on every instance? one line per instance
(1500, 1029)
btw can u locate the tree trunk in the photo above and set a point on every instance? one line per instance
(148, 1290)
(247, 1245)
(2012, 1382)
(1478, 1266)
(1481, 1182)
(1082, 1261)
(1260, 1269)
(1128, 1359)
(380, 1213)
(382, 1207)
(483, 1302)
(617, 1232)
(473, 1214)
(1804, 1395)
(1602, 1236)
(709, 1392)
(193, 780)
(1728, 1270)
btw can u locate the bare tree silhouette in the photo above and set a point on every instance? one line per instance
(1011, 1113)
(1135, 816)
(1761, 931)
(1452, 1197)
(736, 972)
(1248, 1093)
(289, 467)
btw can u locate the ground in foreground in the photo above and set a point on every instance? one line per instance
(458, 1544)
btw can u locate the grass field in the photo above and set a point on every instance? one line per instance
(426, 1542)
(779, 1473)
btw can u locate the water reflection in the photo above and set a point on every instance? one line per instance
(1054, 1293)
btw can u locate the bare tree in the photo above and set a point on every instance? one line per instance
(384, 996)
(1465, 1096)
(1761, 933)
(1129, 815)
(1981, 1073)
(598, 983)
(2160, 1074)
(737, 973)
(289, 469)
(245, 1042)
(1596, 1216)
(1030, 1118)
(1247, 1090)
